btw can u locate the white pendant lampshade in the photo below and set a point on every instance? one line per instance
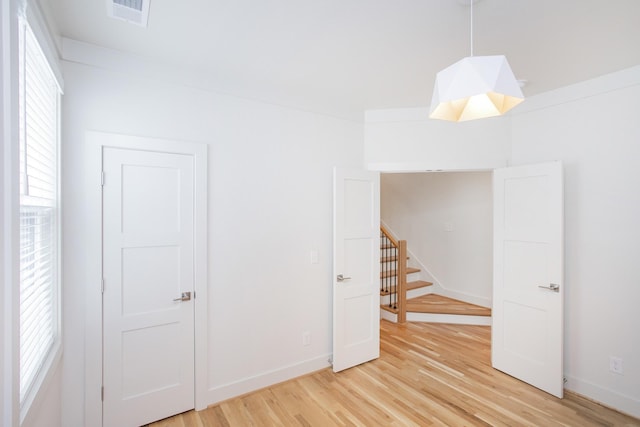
(475, 87)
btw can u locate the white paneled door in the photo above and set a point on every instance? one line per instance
(528, 288)
(356, 268)
(148, 255)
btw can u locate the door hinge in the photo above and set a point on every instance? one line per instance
(102, 393)
(102, 286)
(102, 178)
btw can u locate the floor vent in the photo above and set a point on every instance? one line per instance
(133, 11)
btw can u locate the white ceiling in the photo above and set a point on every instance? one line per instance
(345, 56)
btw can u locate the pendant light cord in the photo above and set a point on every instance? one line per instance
(471, 30)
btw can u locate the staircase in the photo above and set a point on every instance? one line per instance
(404, 297)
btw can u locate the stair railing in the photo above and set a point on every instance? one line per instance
(388, 264)
(393, 274)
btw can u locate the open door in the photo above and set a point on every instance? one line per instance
(356, 267)
(527, 333)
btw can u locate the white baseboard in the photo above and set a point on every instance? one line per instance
(266, 379)
(620, 402)
(439, 318)
(449, 318)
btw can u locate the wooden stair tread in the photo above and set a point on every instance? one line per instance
(391, 273)
(418, 284)
(410, 286)
(438, 304)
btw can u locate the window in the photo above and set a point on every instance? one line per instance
(39, 221)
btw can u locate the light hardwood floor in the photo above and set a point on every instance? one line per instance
(427, 374)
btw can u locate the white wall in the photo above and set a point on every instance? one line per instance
(47, 410)
(270, 204)
(407, 140)
(594, 129)
(446, 219)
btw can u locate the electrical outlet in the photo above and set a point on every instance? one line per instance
(615, 365)
(306, 338)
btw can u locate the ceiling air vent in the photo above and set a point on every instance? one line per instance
(133, 11)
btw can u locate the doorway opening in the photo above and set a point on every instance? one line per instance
(447, 220)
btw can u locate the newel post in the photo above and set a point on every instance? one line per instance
(401, 283)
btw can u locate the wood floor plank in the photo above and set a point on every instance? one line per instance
(427, 375)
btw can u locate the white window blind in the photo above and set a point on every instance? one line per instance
(39, 299)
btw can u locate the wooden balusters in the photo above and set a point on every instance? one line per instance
(393, 272)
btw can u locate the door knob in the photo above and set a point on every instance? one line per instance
(342, 278)
(552, 287)
(186, 296)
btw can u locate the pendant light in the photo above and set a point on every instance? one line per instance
(475, 87)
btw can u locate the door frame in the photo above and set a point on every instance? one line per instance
(93, 347)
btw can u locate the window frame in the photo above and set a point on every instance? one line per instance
(51, 363)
